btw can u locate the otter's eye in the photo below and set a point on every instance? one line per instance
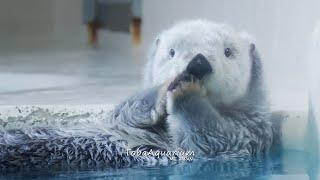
(172, 52)
(227, 52)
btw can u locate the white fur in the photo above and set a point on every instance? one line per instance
(231, 76)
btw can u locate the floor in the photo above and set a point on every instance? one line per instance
(79, 75)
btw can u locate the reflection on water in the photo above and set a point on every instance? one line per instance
(275, 167)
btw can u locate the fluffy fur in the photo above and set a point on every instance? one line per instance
(188, 39)
(225, 114)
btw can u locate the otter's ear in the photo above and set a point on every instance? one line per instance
(153, 49)
(251, 43)
(253, 52)
(256, 66)
(155, 45)
(148, 68)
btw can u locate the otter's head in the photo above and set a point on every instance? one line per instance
(215, 54)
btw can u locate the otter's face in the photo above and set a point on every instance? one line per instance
(215, 54)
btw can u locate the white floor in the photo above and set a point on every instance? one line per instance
(77, 75)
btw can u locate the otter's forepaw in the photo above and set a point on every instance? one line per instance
(159, 111)
(184, 83)
(183, 87)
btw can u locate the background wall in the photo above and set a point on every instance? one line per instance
(40, 24)
(282, 29)
(25, 17)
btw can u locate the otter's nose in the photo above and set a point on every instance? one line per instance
(199, 66)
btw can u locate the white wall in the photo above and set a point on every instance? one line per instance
(36, 24)
(282, 29)
(19, 18)
(67, 16)
(39, 16)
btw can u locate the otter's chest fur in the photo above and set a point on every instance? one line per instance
(243, 132)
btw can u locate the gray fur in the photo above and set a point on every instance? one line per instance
(42, 148)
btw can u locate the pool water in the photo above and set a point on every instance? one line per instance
(286, 165)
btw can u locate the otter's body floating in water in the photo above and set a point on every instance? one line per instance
(204, 93)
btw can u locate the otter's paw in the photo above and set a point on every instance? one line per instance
(184, 86)
(159, 112)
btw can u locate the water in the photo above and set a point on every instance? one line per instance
(290, 165)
